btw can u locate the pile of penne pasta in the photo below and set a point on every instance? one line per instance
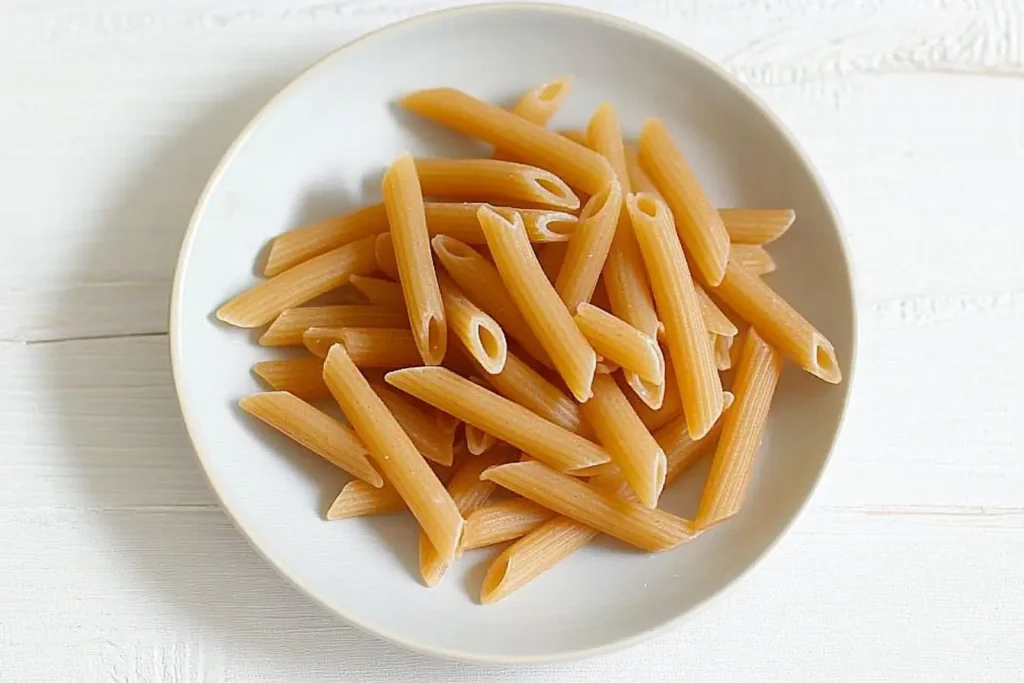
(574, 308)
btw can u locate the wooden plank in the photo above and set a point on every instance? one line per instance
(177, 596)
(94, 425)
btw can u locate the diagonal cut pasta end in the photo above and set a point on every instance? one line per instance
(826, 366)
(432, 339)
(229, 313)
(660, 470)
(700, 422)
(553, 91)
(552, 226)
(653, 395)
(423, 101)
(492, 588)
(450, 248)
(551, 190)
(490, 346)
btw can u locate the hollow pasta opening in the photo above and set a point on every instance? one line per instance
(453, 247)
(436, 337)
(557, 191)
(647, 205)
(494, 580)
(823, 358)
(553, 224)
(490, 343)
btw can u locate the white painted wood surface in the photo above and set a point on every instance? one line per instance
(116, 563)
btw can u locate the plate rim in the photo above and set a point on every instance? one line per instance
(642, 31)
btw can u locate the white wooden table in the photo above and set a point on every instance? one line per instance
(116, 563)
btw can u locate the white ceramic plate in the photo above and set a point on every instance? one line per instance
(318, 149)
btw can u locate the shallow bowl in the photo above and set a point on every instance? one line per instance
(318, 148)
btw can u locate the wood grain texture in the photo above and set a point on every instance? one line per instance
(117, 562)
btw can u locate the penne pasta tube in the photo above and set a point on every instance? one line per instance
(479, 279)
(478, 441)
(302, 377)
(757, 375)
(287, 328)
(479, 333)
(358, 499)
(401, 464)
(588, 247)
(319, 340)
(532, 555)
(609, 472)
(650, 394)
(296, 246)
(632, 448)
(542, 225)
(604, 135)
(756, 226)
(648, 529)
(753, 257)
(503, 521)
(514, 135)
(297, 285)
(498, 416)
(539, 303)
(624, 274)
(469, 492)
(380, 292)
(404, 203)
(492, 180)
(539, 104)
(681, 451)
(699, 225)
(671, 406)
(368, 347)
(304, 424)
(618, 341)
(779, 323)
(716, 321)
(433, 438)
(685, 332)
(521, 384)
(459, 221)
